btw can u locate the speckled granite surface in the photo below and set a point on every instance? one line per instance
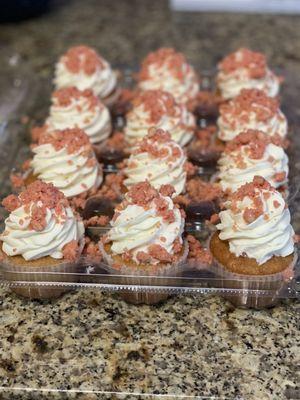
(189, 346)
(186, 346)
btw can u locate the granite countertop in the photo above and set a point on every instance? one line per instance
(190, 345)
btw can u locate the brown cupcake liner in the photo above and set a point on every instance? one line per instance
(244, 290)
(166, 275)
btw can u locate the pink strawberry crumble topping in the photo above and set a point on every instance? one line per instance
(254, 62)
(157, 103)
(71, 139)
(65, 96)
(82, 58)
(173, 60)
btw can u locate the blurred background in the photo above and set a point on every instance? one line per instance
(38, 31)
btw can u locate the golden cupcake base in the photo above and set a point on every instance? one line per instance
(33, 279)
(240, 277)
(132, 274)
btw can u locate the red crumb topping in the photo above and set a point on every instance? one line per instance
(101, 220)
(158, 104)
(71, 251)
(17, 180)
(168, 57)
(26, 165)
(252, 190)
(64, 97)
(160, 253)
(82, 58)
(214, 219)
(276, 204)
(177, 246)
(206, 140)
(91, 249)
(254, 62)
(11, 202)
(38, 131)
(142, 194)
(167, 190)
(112, 187)
(190, 169)
(197, 252)
(43, 196)
(280, 176)
(249, 101)
(116, 141)
(71, 139)
(256, 142)
(150, 144)
(38, 218)
(198, 190)
(143, 257)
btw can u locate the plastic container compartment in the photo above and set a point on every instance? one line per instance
(21, 98)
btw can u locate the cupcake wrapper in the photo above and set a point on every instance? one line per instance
(244, 286)
(43, 273)
(165, 276)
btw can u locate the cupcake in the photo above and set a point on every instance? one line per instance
(158, 159)
(84, 68)
(73, 108)
(42, 240)
(169, 70)
(158, 108)
(66, 159)
(249, 154)
(246, 69)
(145, 242)
(254, 248)
(251, 109)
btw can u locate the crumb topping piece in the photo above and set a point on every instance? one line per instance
(157, 103)
(65, 96)
(256, 142)
(82, 58)
(253, 190)
(150, 144)
(71, 139)
(43, 196)
(249, 101)
(197, 252)
(254, 62)
(168, 57)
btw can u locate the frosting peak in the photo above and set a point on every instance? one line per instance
(256, 222)
(158, 159)
(147, 227)
(41, 223)
(159, 108)
(81, 66)
(72, 107)
(251, 109)
(169, 70)
(245, 69)
(66, 159)
(252, 153)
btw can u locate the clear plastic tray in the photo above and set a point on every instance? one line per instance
(22, 98)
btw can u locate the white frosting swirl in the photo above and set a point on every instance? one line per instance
(165, 69)
(72, 174)
(102, 82)
(161, 78)
(19, 239)
(158, 171)
(230, 126)
(181, 125)
(271, 234)
(94, 120)
(231, 84)
(232, 175)
(137, 228)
